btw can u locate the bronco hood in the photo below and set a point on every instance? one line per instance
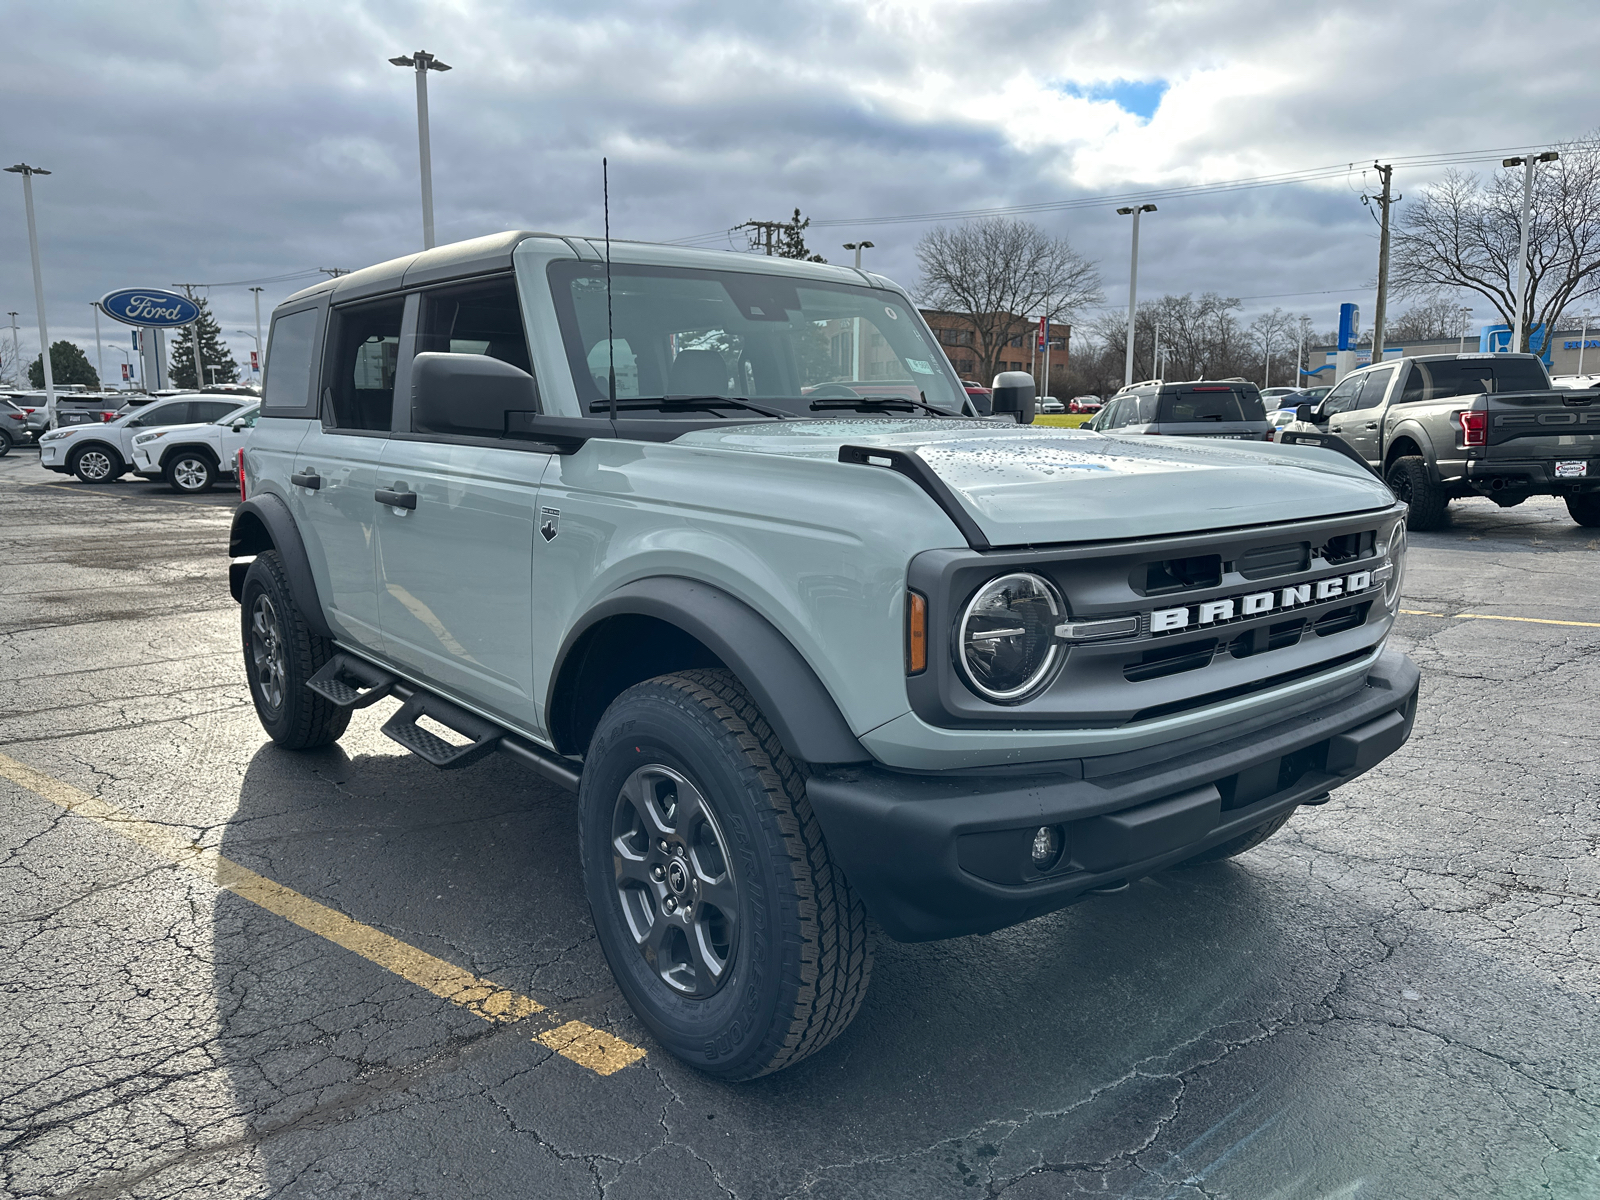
(1035, 484)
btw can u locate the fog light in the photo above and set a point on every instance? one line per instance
(1046, 846)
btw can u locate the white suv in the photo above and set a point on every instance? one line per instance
(190, 457)
(99, 453)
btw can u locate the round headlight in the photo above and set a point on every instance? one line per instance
(1396, 549)
(1006, 643)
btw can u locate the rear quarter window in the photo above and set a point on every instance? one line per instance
(1472, 376)
(291, 352)
(1213, 405)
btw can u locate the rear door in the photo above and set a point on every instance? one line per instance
(455, 589)
(336, 463)
(1361, 423)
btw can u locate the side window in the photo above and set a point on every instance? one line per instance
(485, 318)
(1344, 397)
(177, 413)
(358, 376)
(1377, 384)
(212, 410)
(290, 353)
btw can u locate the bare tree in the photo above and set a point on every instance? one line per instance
(1268, 332)
(1436, 317)
(1462, 234)
(998, 271)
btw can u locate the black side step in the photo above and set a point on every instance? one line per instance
(351, 683)
(403, 728)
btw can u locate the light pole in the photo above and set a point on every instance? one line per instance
(1466, 318)
(1266, 370)
(128, 380)
(1583, 336)
(99, 354)
(855, 333)
(423, 62)
(27, 174)
(16, 346)
(261, 360)
(1526, 162)
(257, 336)
(1155, 355)
(1133, 284)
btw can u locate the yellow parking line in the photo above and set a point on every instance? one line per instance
(1417, 612)
(583, 1044)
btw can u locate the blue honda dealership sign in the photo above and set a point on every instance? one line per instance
(150, 308)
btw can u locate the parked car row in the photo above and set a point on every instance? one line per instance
(171, 438)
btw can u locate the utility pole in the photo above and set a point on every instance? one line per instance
(194, 334)
(27, 174)
(1466, 316)
(1155, 355)
(423, 62)
(1526, 162)
(1133, 284)
(1385, 203)
(16, 347)
(1583, 337)
(768, 228)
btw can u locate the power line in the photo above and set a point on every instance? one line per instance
(1181, 191)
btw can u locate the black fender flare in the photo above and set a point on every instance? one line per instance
(1413, 431)
(265, 523)
(781, 682)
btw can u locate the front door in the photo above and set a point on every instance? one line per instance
(335, 467)
(456, 566)
(1360, 423)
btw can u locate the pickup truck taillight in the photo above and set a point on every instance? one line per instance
(1472, 425)
(240, 472)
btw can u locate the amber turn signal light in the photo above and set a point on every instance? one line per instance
(916, 634)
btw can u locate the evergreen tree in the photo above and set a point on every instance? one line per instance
(67, 365)
(212, 353)
(793, 243)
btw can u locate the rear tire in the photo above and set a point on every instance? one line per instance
(280, 654)
(1585, 509)
(729, 930)
(1408, 480)
(96, 464)
(188, 472)
(1236, 846)
(5, 443)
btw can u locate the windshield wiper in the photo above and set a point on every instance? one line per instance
(880, 402)
(669, 403)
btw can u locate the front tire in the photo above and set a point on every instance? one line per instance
(280, 654)
(189, 473)
(96, 464)
(5, 443)
(1408, 479)
(728, 928)
(1585, 509)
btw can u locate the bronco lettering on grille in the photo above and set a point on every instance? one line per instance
(1235, 608)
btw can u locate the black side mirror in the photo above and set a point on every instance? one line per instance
(1011, 395)
(1306, 413)
(468, 394)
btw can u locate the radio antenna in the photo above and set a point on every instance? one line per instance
(611, 342)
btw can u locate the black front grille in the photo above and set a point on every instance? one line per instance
(1267, 637)
(1170, 660)
(1267, 561)
(1244, 689)
(1341, 619)
(1347, 547)
(1180, 574)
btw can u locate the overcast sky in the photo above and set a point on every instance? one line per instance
(216, 142)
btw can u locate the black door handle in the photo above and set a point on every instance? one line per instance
(306, 479)
(1372, 424)
(395, 499)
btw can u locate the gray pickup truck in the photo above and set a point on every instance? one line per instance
(1440, 427)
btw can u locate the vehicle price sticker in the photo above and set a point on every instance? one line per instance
(1572, 469)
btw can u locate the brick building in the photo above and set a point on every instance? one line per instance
(957, 338)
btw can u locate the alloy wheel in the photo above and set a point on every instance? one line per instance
(94, 465)
(675, 881)
(266, 651)
(189, 474)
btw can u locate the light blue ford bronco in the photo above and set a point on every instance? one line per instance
(718, 542)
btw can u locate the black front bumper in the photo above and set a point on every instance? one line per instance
(944, 854)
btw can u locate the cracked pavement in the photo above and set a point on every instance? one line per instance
(1394, 997)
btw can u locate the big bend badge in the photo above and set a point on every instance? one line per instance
(549, 519)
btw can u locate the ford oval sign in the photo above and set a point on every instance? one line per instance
(151, 308)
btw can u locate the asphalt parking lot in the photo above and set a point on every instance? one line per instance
(230, 971)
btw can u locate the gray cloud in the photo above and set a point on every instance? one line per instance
(211, 142)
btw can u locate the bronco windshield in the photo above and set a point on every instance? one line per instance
(786, 346)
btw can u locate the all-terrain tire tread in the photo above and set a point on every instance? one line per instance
(318, 721)
(835, 952)
(1585, 509)
(1430, 507)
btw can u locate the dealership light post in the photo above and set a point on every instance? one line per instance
(423, 62)
(99, 354)
(16, 346)
(127, 378)
(27, 174)
(1583, 336)
(257, 336)
(1133, 283)
(1526, 162)
(855, 334)
(1466, 317)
